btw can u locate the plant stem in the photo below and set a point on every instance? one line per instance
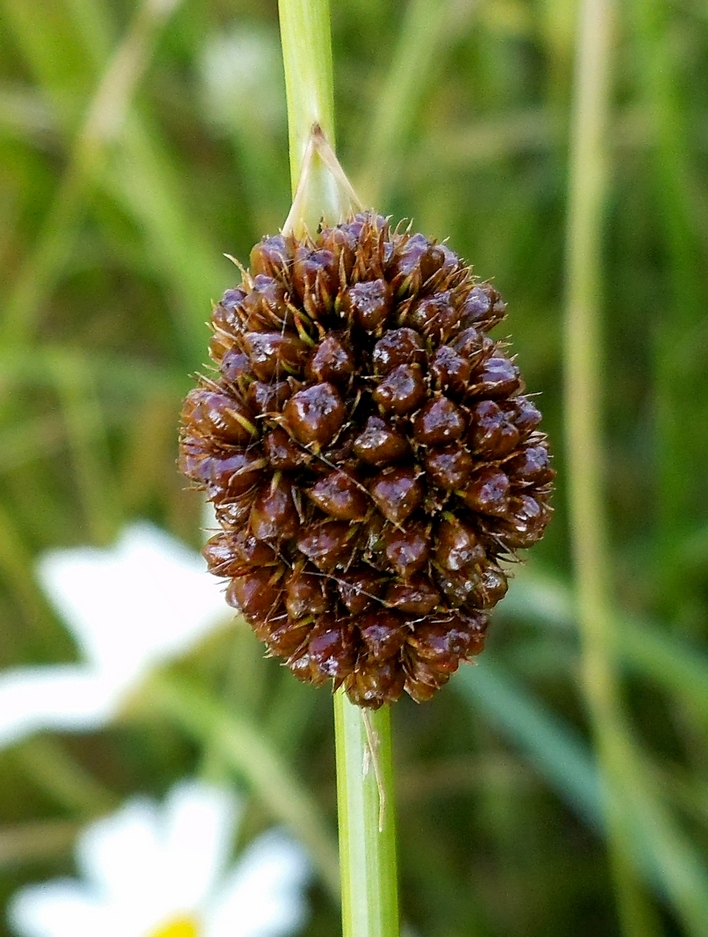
(363, 740)
(367, 845)
(587, 194)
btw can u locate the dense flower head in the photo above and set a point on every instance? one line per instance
(370, 454)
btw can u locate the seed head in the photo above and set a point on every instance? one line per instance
(371, 456)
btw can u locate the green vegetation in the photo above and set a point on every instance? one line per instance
(139, 141)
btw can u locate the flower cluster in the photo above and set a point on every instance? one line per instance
(371, 456)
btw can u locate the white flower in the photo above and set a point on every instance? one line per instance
(145, 601)
(154, 870)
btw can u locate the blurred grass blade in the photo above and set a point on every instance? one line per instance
(556, 749)
(243, 746)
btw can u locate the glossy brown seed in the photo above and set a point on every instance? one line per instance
(450, 370)
(457, 545)
(491, 433)
(439, 422)
(316, 414)
(273, 515)
(434, 316)
(449, 468)
(359, 589)
(316, 279)
(330, 648)
(492, 588)
(326, 545)
(459, 587)
(483, 308)
(379, 444)
(221, 415)
(272, 257)
(488, 492)
(375, 682)
(406, 551)
(397, 493)
(282, 452)
(274, 355)
(341, 496)
(268, 397)
(418, 596)
(305, 594)
(235, 367)
(524, 414)
(285, 638)
(531, 466)
(368, 303)
(497, 377)
(256, 593)
(383, 633)
(234, 473)
(397, 347)
(330, 361)
(401, 391)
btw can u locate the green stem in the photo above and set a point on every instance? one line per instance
(367, 846)
(587, 194)
(364, 775)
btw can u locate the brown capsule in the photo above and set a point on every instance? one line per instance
(461, 586)
(228, 315)
(456, 545)
(383, 633)
(272, 257)
(397, 493)
(235, 368)
(340, 496)
(359, 589)
(449, 468)
(327, 545)
(407, 550)
(379, 444)
(497, 377)
(434, 316)
(401, 391)
(220, 415)
(233, 474)
(368, 303)
(257, 593)
(316, 414)
(274, 515)
(315, 276)
(524, 414)
(305, 594)
(274, 355)
(330, 648)
(532, 465)
(526, 521)
(397, 347)
(492, 587)
(471, 345)
(418, 596)
(491, 434)
(488, 492)
(230, 552)
(264, 307)
(268, 397)
(435, 644)
(284, 638)
(439, 422)
(282, 452)
(450, 370)
(375, 682)
(483, 308)
(330, 361)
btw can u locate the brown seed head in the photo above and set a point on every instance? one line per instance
(370, 454)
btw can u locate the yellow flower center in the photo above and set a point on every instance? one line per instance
(179, 927)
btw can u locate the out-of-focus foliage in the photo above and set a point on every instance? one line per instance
(139, 141)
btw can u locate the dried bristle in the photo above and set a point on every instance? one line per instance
(370, 455)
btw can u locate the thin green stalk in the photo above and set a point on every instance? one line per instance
(363, 741)
(588, 189)
(367, 846)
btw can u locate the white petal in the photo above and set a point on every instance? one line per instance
(62, 909)
(198, 830)
(122, 857)
(263, 897)
(144, 601)
(65, 698)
